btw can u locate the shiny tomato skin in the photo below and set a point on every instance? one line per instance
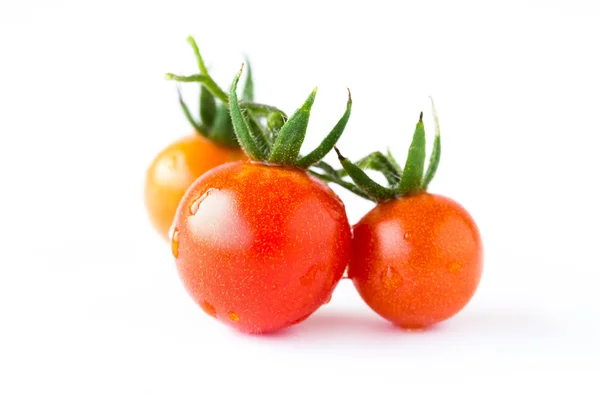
(174, 169)
(260, 247)
(417, 260)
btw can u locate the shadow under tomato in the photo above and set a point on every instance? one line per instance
(331, 324)
(324, 324)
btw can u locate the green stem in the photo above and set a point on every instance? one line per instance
(328, 169)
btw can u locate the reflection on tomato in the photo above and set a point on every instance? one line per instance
(416, 260)
(174, 169)
(260, 247)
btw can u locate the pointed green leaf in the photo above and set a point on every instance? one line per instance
(207, 101)
(188, 115)
(275, 118)
(331, 175)
(338, 181)
(222, 129)
(206, 80)
(261, 138)
(289, 141)
(412, 177)
(434, 159)
(240, 126)
(374, 190)
(201, 65)
(392, 160)
(330, 140)
(376, 161)
(248, 93)
(263, 110)
(208, 107)
(275, 122)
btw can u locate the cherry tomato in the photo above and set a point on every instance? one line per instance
(174, 169)
(416, 260)
(260, 247)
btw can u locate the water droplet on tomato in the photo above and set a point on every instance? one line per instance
(175, 243)
(455, 267)
(336, 213)
(328, 299)
(407, 235)
(234, 317)
(195, 206)
(208, 308)
(311, 275)
(391, 278)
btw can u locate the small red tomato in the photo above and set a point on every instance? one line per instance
(416, 260)
(174, 169)
(260, 247)
(417, 257)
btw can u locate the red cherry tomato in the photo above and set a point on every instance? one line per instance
(260, 247)
(174, 169)
(416, 260)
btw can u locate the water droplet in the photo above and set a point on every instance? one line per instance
(455, 267)
(391, 278)
(234, 317)
(407, 236)
(310, 276)
(328, 299)
(175, 243)
(196, 204)
(208, 308)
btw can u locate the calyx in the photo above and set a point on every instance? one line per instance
(280, 142)
(410, 180)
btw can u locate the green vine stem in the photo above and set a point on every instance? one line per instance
(411, 180)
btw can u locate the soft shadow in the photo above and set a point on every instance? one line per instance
(330, 324)
(342, 324)
(502, 322)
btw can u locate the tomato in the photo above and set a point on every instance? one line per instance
(174, 169)
(416, 260)
(260, 247)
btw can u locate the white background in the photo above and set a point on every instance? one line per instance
(90, 303)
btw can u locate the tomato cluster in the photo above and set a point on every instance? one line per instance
(260, 240)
